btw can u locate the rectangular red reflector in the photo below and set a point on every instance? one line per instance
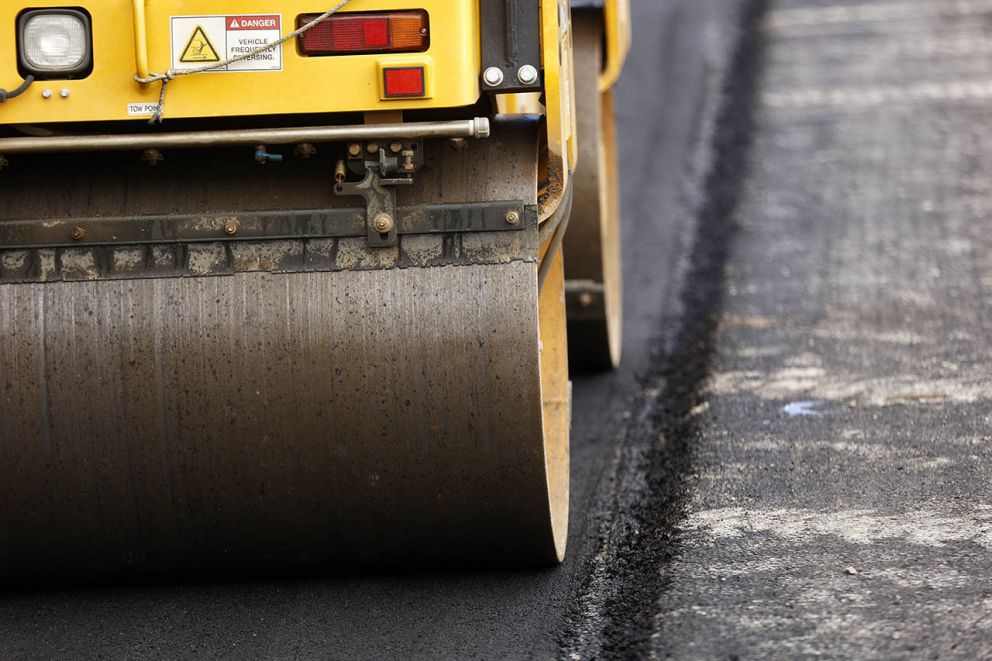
(403, 81)
(365, 32)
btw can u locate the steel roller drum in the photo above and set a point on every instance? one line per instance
(593, 272)
(385, 414)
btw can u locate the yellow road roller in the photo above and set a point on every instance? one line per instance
(283, 286)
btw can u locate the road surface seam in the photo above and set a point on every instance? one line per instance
(615, 610)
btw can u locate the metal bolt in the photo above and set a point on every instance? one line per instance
(512, 217)
(230, 228)
(396, 147)
(78, 233)
(152, 157)
(527, 74)
(383, 223)
(354, 149)
(64, 92)
(372, 148)
(305, 150)
(339, 172)
(46, 94)
(585, 299)
(407, 163)
(493, 76)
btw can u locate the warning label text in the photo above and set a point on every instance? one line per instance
(202, 40)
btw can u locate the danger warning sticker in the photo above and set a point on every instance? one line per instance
(203, 40)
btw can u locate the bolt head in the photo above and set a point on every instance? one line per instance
(396, 147)
(152, 156)
(46, 94)
(383, 223)
(527, 74)
(493, 76)
(372, 148)
(354, 149)
(230, 228)
(78, 233)
(64, 92)
(512, 217)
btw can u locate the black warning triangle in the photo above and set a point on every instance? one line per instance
(199, 48)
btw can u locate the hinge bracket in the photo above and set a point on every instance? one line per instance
(381, 175)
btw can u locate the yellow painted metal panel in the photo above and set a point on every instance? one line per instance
(556, 39)
(526, 103)
(305, 85)
(617, 17)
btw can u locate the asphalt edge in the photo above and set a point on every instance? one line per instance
(614, 612)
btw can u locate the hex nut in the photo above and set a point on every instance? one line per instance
(383, 223)
(152, 157)
(512, 217)
(305, 150)
(230, 228)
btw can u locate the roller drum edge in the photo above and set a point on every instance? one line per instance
(592, 245)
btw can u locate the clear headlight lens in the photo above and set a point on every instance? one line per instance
(54, 41)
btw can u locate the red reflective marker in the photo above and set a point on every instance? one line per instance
(403, 81)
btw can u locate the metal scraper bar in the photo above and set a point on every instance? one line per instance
(477, 127)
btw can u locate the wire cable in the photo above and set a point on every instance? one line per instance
(173, 73)
(17, 91)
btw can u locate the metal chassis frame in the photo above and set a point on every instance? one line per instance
(511, 38)
(259, 225)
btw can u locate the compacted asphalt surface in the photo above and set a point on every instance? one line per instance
(794, 459)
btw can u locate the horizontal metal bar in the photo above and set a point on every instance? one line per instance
(463, 128)
(259, 225)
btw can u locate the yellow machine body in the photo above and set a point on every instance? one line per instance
(130, 36)
(616, 18)
(559, 85)
(303, 85)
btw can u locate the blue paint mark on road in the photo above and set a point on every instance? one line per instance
(806, 407)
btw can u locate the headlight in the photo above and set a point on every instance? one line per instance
(54, 43)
